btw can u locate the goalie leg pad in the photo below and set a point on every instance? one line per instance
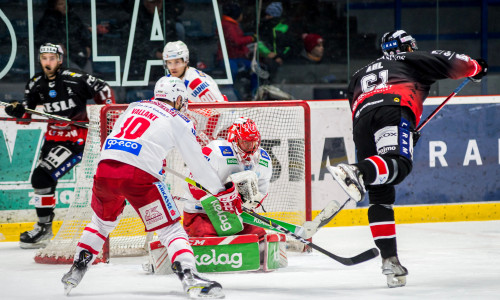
(275, 252)
(213, 254)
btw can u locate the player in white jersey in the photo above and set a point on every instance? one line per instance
(240, 152)
(130, 167)
(200, 86)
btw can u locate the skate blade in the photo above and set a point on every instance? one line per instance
(199, 293)
(67, 288)
(395, 281)
(38, 245)
(351, 190)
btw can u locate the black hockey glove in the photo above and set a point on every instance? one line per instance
(15, 109)
(484, 70)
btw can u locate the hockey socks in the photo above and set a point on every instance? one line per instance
(383, 228)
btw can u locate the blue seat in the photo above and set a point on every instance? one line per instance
(194, 30)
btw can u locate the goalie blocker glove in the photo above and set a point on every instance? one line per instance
(15, 109)
(230, 199)
(482, 73)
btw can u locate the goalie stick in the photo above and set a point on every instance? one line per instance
(348, 261)
(58, 118)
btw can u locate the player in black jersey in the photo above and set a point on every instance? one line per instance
(386, 99)
(62, 92)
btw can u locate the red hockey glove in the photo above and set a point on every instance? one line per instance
(230, 199)
(482, 73)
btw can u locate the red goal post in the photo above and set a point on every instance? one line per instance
(285, 130)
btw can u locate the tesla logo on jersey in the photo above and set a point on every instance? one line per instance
(59, 105)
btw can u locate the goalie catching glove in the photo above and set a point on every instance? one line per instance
(247, 184)
(15, 109)
(230, 199)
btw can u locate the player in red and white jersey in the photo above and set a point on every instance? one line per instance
(240, 152)
(200, 86)
(386, 99)
(130, 167)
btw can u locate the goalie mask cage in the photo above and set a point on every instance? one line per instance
(285, 132)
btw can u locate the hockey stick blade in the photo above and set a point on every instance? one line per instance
(348, 261)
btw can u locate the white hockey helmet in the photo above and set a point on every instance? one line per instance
(51, 48)
(177, 49)
(172, 89)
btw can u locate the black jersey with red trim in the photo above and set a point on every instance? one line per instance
(66, 96)
(405, 79)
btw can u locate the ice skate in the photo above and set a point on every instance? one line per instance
(350, 179)
(196, 286)
(395, 272)
(78, 269)
(38, 237)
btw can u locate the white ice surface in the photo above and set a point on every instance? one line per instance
(445, 260)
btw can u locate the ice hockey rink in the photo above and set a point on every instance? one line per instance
(446, 261)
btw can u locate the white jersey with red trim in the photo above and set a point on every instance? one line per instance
(222, 157)
(201, 87)
(147, 131)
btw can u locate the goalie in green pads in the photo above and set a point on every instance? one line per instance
(238, 159)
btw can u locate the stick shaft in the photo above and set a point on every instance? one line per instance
(456, 91)
(59, 118)
(369, 254)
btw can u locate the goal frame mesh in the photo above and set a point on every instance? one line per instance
(99, 121)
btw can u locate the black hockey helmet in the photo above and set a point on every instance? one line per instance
(394, 42)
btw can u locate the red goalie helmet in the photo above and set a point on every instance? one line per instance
(245, 137)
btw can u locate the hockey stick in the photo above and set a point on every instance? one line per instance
(38, 120)
(323, 218)
(348, 261)
(456, 91)
(58, 118)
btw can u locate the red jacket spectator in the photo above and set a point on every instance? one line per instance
(236, 41)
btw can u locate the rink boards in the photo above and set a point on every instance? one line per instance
(455, 175)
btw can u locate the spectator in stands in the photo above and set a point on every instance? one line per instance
(276, 42)
(313, 48)
(52, 27)
(236, 44)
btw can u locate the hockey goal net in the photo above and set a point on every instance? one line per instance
(285, 131)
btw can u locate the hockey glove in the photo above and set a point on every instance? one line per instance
(230, 199)
(15, 109)
(484, 70)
